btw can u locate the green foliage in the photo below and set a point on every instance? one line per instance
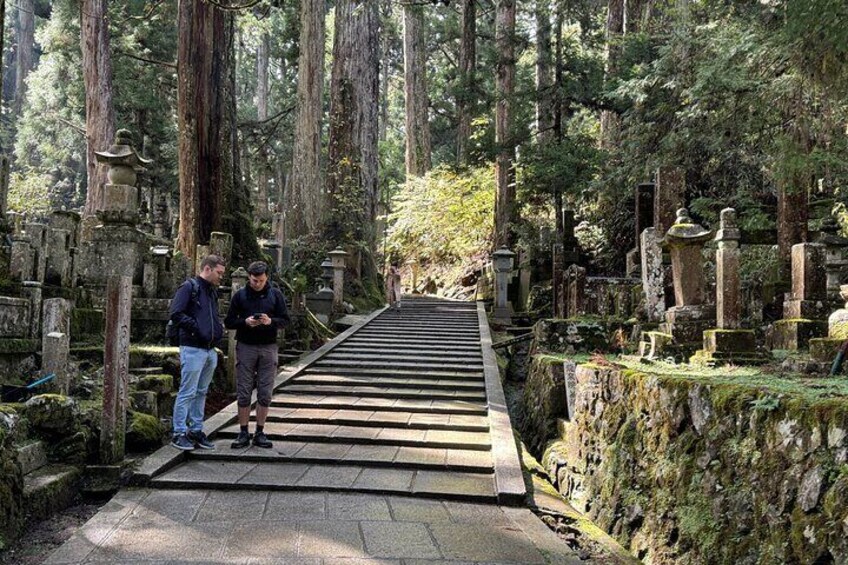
(30, 194)
(445, 216)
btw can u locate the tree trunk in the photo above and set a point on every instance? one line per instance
(610, 123)
(208, 156)
(354, 89)
(544, 63)
(504, 90)
(305, 201)
(262, 62)
(99, 109)
(385, 67)
(416, 101)
(26, 42)
(467, 74)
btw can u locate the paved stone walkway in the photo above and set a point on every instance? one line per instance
(392, 444)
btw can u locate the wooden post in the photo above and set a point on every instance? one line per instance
(116, 368)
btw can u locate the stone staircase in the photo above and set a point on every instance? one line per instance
(401, 404)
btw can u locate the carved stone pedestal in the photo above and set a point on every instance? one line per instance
(737, 347)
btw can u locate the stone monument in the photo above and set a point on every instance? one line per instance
(805, 308)
(727, 342)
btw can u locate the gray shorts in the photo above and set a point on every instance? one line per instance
(255, 365)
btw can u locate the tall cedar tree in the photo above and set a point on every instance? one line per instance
(304, 196)
(505, 210)
(99, 107)
(354, 91)
(467, 74)
(208, 149)
(416, 101)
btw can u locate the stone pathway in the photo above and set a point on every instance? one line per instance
(392, 442)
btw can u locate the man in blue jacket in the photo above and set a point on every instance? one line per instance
(257, 312)
(194, 310)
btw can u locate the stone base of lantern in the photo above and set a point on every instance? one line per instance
(655, 345)
(724, 347)
(688, 323)
(796, 334)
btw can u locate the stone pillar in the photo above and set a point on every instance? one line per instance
(38, 236)
(669, 195)
(688, 319)
(502, 261)
(728, 285)
(557, 281)
(238, 280)
(575, 283)
(792, 217)
(805, 308)
(21, 261)
(116, 369)
(58, 257)
(150, 280)
(32, 291)
(4, 186)
(571, 248)
(55, 351)
(275, 251)
(338, 256)
(653, 275)
(221, 243)
(524, 266)
(644, 218)
(57, 315)
(836, 262)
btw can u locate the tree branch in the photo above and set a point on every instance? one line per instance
(145, 60)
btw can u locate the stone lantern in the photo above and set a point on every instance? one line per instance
(503, 261)
(689, 317)
(337, 258)
(326, 274)
(120, 195)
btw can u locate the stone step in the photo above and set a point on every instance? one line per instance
(423, 366)
(143, 371)
(415, 324)
(366, 345)
(428, 406)
(226, 475)
(394, 383)
(385, 456)
(400, 357)
(400, 354)
(49, 489)
(383, 392)
(426, 339)
(432, 331)
(363, 435)
(350, 417)
(31, 456)
(410, 373)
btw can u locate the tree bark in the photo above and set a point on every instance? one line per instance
(305, 199)
(354, 89)
(544, 63)
(610, 123)
(416, 101)
(467, 78)
(207, 150)
(99, 108)
(262, 63)
(385, 70)
(24, 54)
(504, 90)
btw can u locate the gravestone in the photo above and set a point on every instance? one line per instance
(653, 275)
(55, 352)
(32, 290)
(644, 218)
(805, 307)
(338, 256)
(727, 343)
(669, 195)
(21, 260)
(836, 260)
(116, 369)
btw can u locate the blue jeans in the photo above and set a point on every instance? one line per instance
(196, 369)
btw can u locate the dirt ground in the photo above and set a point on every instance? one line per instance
(40, 539)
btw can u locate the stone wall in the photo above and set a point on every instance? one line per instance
(684, 470)
(11, 480)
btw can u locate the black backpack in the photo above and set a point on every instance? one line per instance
(172, 330)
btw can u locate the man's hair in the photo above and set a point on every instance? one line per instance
(257, 268)
(212, 261)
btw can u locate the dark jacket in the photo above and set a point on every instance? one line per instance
(198, 320)
(247, 302)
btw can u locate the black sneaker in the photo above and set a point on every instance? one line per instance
(200, 440)
(243, 440)
(182, 442)
(261, 440)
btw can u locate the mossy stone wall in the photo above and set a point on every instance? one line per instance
(684, 470)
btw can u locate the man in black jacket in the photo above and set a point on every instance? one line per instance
(256, 312)
(194, 310)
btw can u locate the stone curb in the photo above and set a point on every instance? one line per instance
(509, 480)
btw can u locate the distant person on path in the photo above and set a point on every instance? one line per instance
(257, 312)
(194, 310)
(393, 286)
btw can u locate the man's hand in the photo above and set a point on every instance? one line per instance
(263, 320)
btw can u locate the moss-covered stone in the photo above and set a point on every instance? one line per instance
(144, 432)
(696, 465)
(159, 384)
(19, 345)
(11, 479)
(53, 414)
